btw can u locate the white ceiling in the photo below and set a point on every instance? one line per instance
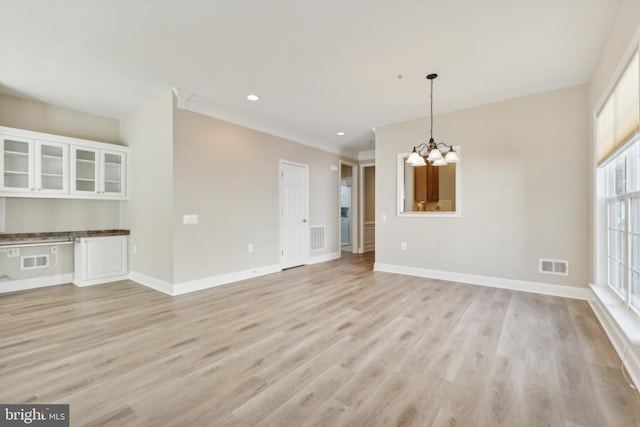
(319, 66)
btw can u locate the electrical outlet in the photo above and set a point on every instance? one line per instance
(54, 249)
(135, 249)
(13, 253)
(403, 246)
(250, 248)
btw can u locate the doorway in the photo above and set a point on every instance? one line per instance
(348, 207)
(294, 214)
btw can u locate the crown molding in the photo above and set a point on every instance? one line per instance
(188, 101)
(367, 155)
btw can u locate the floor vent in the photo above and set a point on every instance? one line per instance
(554, 266)
(34, 261)
(317, 237)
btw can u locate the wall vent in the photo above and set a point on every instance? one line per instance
(317, 237)
(554, 266)
(34, 261)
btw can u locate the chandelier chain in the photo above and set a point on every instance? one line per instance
(431, 109)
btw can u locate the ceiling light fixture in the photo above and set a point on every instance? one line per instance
(431, 150)
(253, 97)
(340, 133)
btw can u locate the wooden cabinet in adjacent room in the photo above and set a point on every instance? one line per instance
(426, 183)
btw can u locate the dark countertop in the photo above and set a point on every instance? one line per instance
(56, 236)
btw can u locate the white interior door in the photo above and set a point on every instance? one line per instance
(294, 214)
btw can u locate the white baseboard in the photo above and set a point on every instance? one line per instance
(35, 282)
(494, 282)
(223, 279)
(323, 258)
(152, 282)
(213, 281)
(200, 284)
(83, 283)
(621, 341)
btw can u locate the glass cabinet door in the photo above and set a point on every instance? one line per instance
(17, 164)
(51, 166)
(84, 170)
(113, 173)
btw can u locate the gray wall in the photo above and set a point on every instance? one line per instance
(525, 191)
(228, 175)
(41, 117)
(32, 215)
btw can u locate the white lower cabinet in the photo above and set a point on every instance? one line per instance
(100, 259)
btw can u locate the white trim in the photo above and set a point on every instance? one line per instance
(35, 282)
(627, 322)
(152, 282)
(204, 283)
(83, 283)
(427, 214)
(188, 101)
(494, 282)
(361, 224)
(49, 137)
(323, 258)
(223, 279)
(280, 210)
(619, 339)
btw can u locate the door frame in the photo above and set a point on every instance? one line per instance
(355, 232)
(280, 198)
(361, 217)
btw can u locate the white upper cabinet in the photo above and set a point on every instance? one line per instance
(52, 167)
(17, 165)
(42, 165)
(113, 173)
(98, 172)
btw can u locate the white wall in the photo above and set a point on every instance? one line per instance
(149, 212)
(525, 191)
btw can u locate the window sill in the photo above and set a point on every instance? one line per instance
(628, 322)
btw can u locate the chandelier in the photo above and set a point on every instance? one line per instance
(432, 150)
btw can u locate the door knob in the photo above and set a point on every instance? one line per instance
(304, 220)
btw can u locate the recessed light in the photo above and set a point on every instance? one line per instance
(253, 97)
(340, 133)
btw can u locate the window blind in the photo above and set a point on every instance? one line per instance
(619, 118)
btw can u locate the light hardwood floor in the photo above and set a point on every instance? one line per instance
(332, 344)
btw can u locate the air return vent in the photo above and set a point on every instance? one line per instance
(554, 266)
(34, 261)
(317, 237)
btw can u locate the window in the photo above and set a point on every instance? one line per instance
(618, 155)
(623, 223)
